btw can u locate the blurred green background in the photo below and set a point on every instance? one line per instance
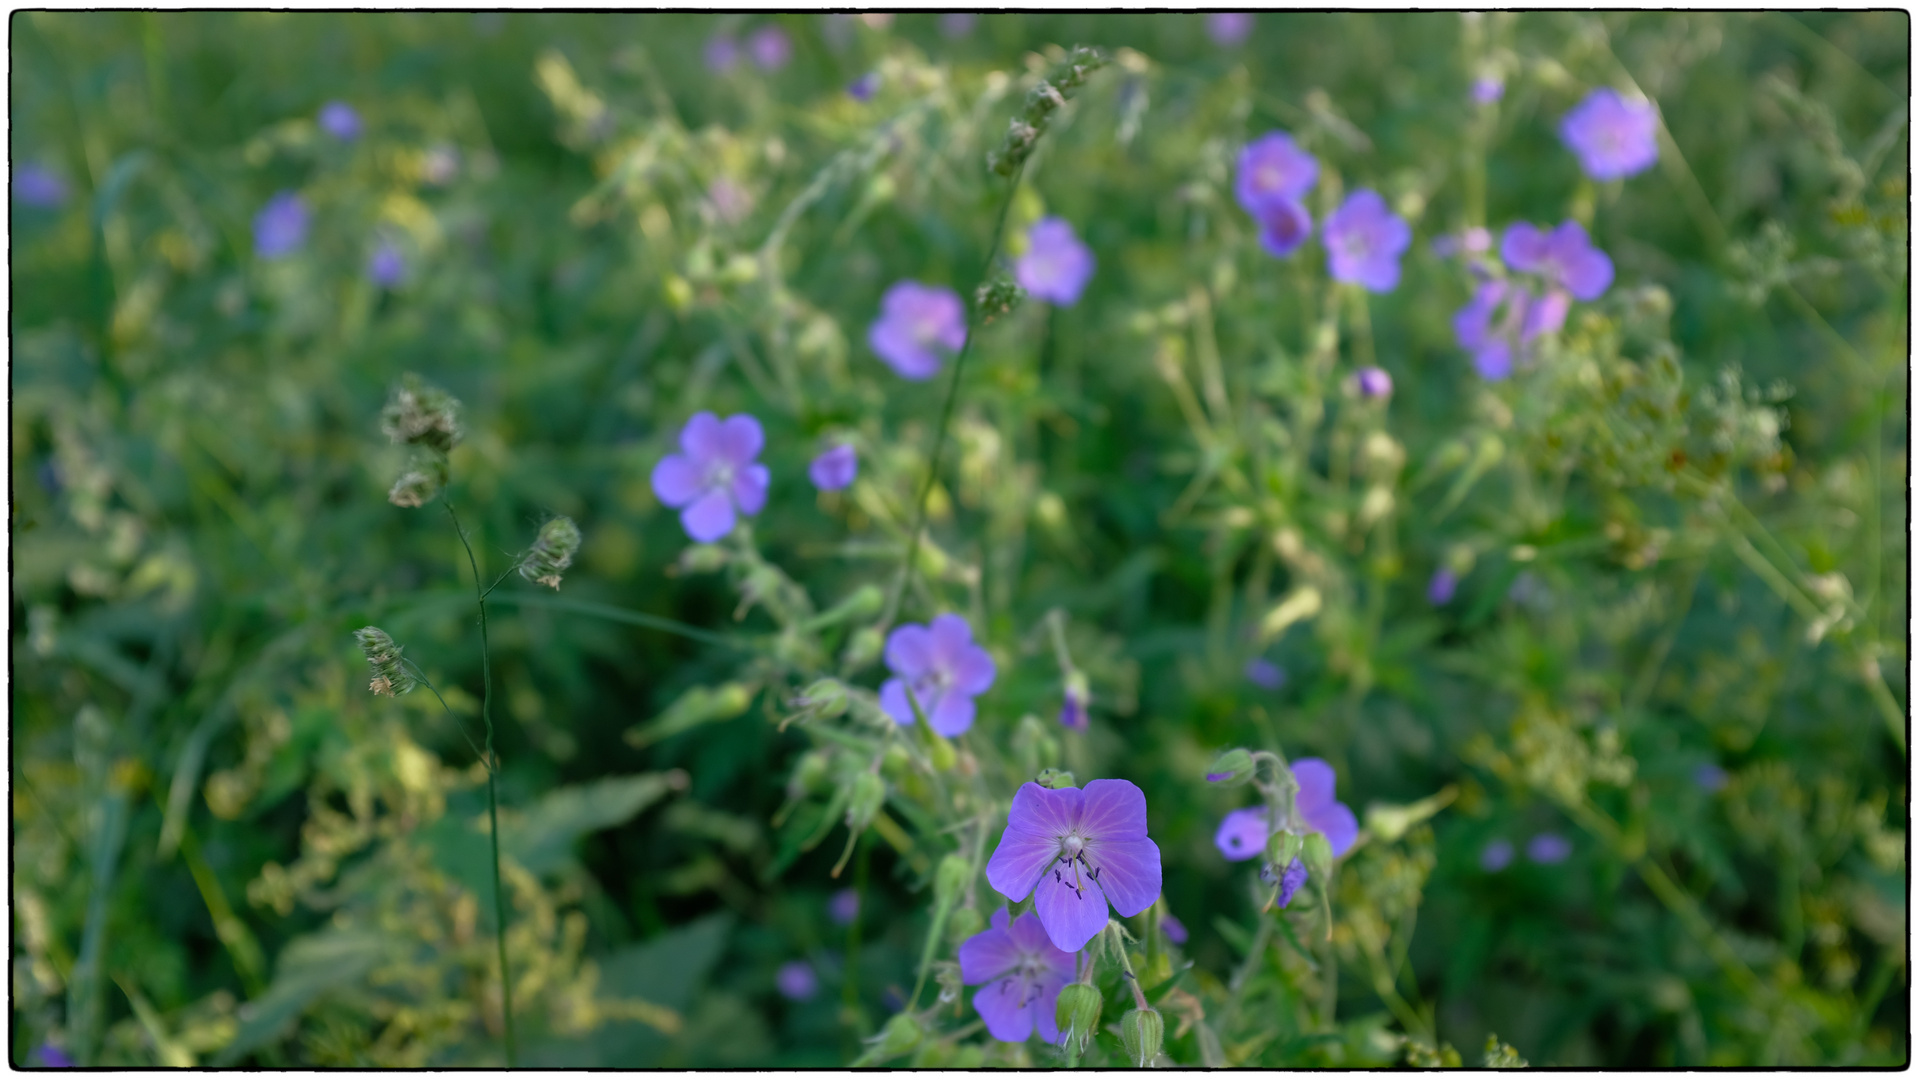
(226, 851)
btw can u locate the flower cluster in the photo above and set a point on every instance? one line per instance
(1363, 237)
(1528, 296)
(425, 419)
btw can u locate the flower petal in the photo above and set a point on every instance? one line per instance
(1316, 782)
(952, 715)
(909, 651)
(1004, 1006)
(1035, 823)
(973, 670)
(703, 438)
(1588, 274)
(1114, 810)
(741, 438)
(893, 701)
(895, 345)
(1129, 873)
(988, 955)
(1493, 361)
(1524, 247)
(676, 480)
(1045, 1005)
(1339, 825)
(949, 635)
(1072, 910)
(710, 518)
(1546, 316)
(1243, 834)
(749, 488)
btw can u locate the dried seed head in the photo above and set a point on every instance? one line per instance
(420, 414)
(552, 552)
(390, 677)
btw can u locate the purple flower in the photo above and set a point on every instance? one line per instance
(1229, 27)
(1440, 589)
(1565, 257)
(1264, 674)
(835, 469)
(844, 907)
(1272, 168)
(1471, 242)
(1056, 266)
(958, 24)
(944, 667)
(1487, 90)
(914, 320)
(280, 227)
(1613, 137)
(1074, 851)
(1072, 708)
(722, 54)
(386, 267)
(1022, 972)
(338, 119)
(1364, 240)
(1289, 882)
(1548, 848)
(1487, 326)
(771, 48)
(1243, 833)
(714, 474)
(1374, 382)
(49, 1056)
(796, 980)
(1284, 224)
(1174, 930)
(864, 87)
(1496, 855)
(1316, 805)
(1709, 777)
(37, 185)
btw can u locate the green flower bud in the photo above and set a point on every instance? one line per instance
(1077, 1014)
(864, 647)
(895, 761)
(825, 699)
(900, 1034)
(1284, 846)
(551, 553)
(1317, 854)
(703, 558)
(963, 924)
(811, 773)
(1142, 1031)
(1054, 778)
(942, 752)
(1233, 767)
(950, 878)
(869, 791)
(997, 298)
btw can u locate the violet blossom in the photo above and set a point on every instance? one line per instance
(797, 981)
(1174, 930)
(1244, 832)
(1074, 851)
(715, 476)
(722, 54)
(1229, 27)
(770, 48)
(1364, 240)
(1374, 382)
(1284, 224)
(1548, 848)
(958, 24)
(1487, 90)
(844, 907)
(1272, 168)
(1264, 674)
(945, 669)
(338, 119)
(1439, 591)
(37, 185)
(1020, 973)
(386, 267)
(914, 321)
(864, 87)
(1056, 265)
(1287, 883)
(1709, 777)
(835, 469)
(280, 227)
(1613, 137)
(1496, 855)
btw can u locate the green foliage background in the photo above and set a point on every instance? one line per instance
(225, 850)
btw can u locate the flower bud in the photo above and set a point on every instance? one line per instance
(551, 553)
(1317, 854)
(900, 1034)
(895, 762)
(1077, 1014)
(1054, 779)
(963, 924)
(825, 698)
(997, 298)
(1142, 1031)
(869, 791)
(703, 559)
(864, 647)
(1233, 767)
(951, 878)
(1072, 710)
(940, 749)
(811, 773)
(1283, 847)
(390, 677)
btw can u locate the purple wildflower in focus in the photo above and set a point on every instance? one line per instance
(796, 981)
(1290, 881)
(386, 267)
(1364, 240)
(1264, 674)
(49, 1056)
(1709, 777)
(864, 87)
(280, 227)
(1487, 90)
(1284, 224)
(1612, 137)
(1229, 27)
(914, 320)
(1565, 257)
(1374, 382)
(1496, 855)
(945, 669)
(1548, 848)
(1272, 169)
(958, 24)
(1022, 972)
(1075, 851)
(1174, 930)
(722, 54)
(1056, 266)
(770, 48)
(715, 474)
(1439, 591)
(844, 907)
(1318, 808)
(835, 469)
(1243, 833)
(37, 185)
(338, 119)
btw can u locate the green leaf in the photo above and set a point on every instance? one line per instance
(309, 967)
(697, 706)
(542, 840)
(668, 970)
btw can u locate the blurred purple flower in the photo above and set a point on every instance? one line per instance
(1316, 805)
(722, 54)
(958, 24)
(1440, 589)
(914, 319)
(1022, 972)
(1709, 777)
(1264, 674)
(1284, 224)
(1470, 242)
(1290, 881)
(864, 87)
(1229, 27)
(49, 1056)
(1496, 855)
(1612, 137)
(714, 475)
(1488, 90)
(1374, 382)
(280, 227)
(1272, 168)
(338, 119)
(1072, 707)
(1565, 257)
(1056, 266)
(770, 47)
(1364, 240)
(844, 907)
(1074, 851)
(37, 185)
(1242, 834)
(1174, 930)
(1548, 848)
(1487, 325)
(835, 469)
(386, 267)
(945, 669)
(796, 980)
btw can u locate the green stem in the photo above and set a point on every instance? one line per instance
(492, 790)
